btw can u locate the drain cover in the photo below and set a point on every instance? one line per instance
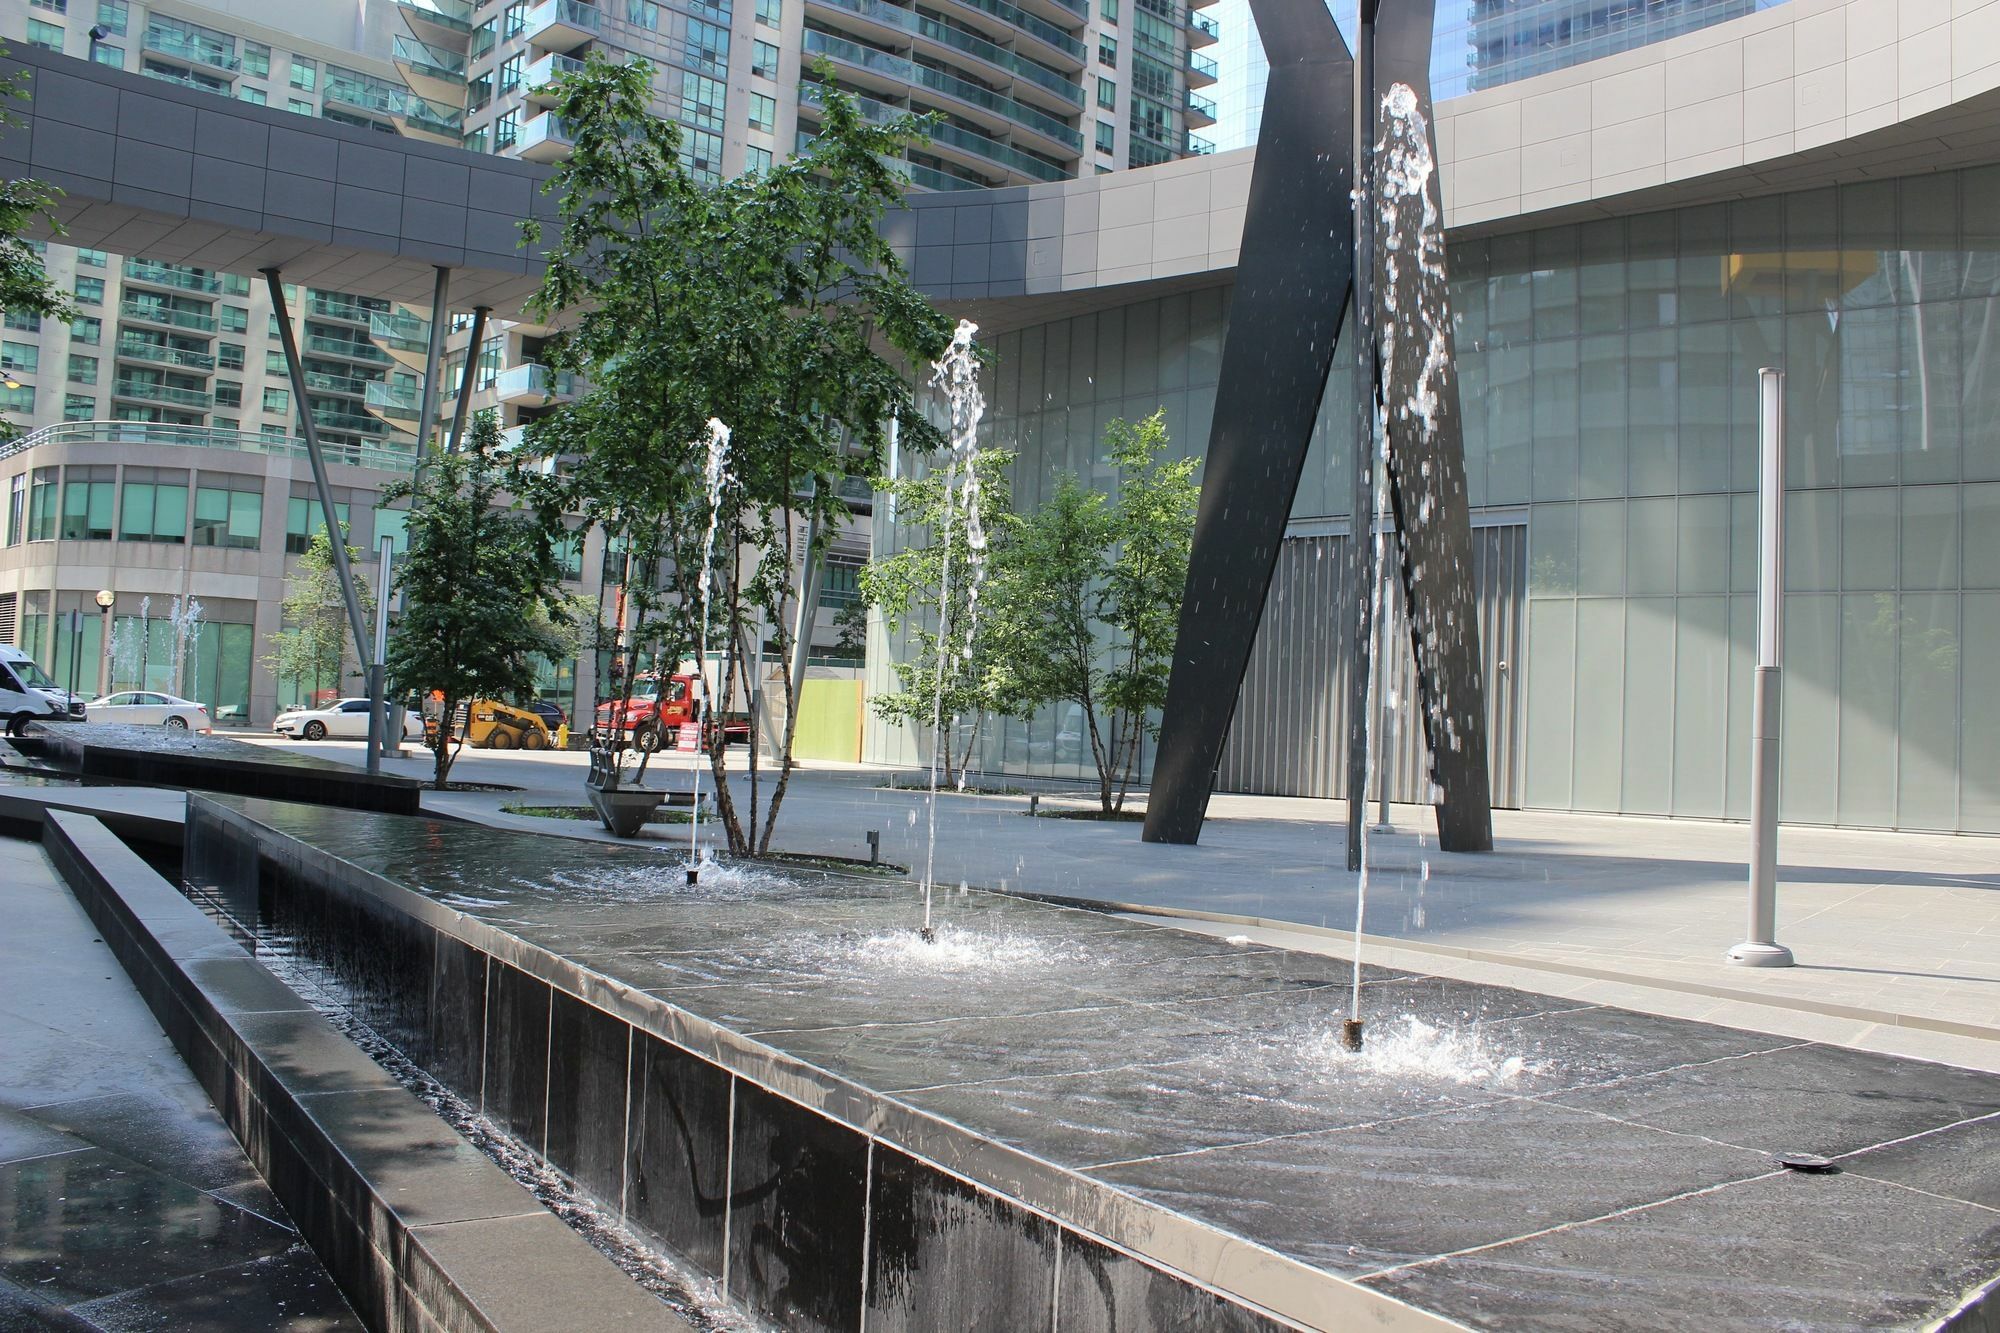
(1811, 1163)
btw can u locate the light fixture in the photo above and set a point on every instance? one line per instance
(9, 381)
(105, 597)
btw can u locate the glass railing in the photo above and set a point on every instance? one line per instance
(910, 72)
(812, 96)
(894, 16)
(1202, 23)
(162, 354)
(453, 14)
(401, 330)
(433, 117)
(172, 275)
(357, 422)
(397, 400)
(155, 313)
(328, 306)
(930, 178)
(1198, 105)
(1041, 29)
(205, 437)
(567, 12)
(368, 96)
(993, 150)
(1198, 63)
(162, 393)
(545, 128)
(1196, 146)
(194, 48)
(428, 59)
(533, 379)
(341, 347)
(550, 68)
(325, 383)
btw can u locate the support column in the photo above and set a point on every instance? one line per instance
(336, 538)
(807, 613)
(463, 409)
(433, 356)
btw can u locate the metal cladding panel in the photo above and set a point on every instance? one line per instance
(1290, 724)
(1293, 282)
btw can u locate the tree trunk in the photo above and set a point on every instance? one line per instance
(441, 770)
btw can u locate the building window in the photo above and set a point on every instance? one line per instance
(756, 160)
(304, 521)
(88, 496)
(229, 356)
(510, 73)
(79, 407)
(1107, 93)
(483, 39)
(104, 54)
(1107, 51)
(228, 511)
(708, 47)
(154, 506)
(17, 508)
(517, 18)
(305, 74)
(771, 13)
(702, 153)
(228, 394)
(1108, 10)
(254, 96)
(763, 112)
(87, 329)
(395, 525)
(113, 14)
(82, 369)
(701, 101)
(18, 399)
(643, 14)
(1107, 136)
(48, 36)
(506, 129)
(90, 290)
(256, 60)
(235, 319)
(42, 505)
(90, 258)
(20, 358)
(23, 321)
(298, 106)
(234, 284)
(764, 59)
(278, 401)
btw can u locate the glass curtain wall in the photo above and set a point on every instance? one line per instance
(1609, 377)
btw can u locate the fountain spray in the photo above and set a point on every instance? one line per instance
(957, 374)
(715, 475)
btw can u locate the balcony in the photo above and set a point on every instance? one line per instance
(210, 51)
(346, 349)
(439, 122)
(561, 25)
(354, 422)
(1200, 69)
(397, 402)
(433, 72)
(163, 354)
(445, 21)
(172, 275)
(892, 22)
(401, 331)
(893, 75)
(544, 139)
(319, 381)
(146, 391)
(1200, 109)
(546, 71)
(1040, 29)
(1196, 146)
(532, 382)
(331, 305)
(153, 312)
(1201, 29)
(949, 139)
(170, 434)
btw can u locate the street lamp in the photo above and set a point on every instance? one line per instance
(105, 600)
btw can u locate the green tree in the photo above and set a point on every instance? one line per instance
(1095, 594)
(909, 588)
(771, 302)
(480, 582)
(24, 281)
(311, 647)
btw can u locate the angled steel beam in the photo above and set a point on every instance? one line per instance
(463, 410)
(1292, 286)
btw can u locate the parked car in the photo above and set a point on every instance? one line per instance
(146, 708)
(344, 719)
(552, 715)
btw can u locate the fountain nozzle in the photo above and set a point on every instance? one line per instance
(1350, 1034)
(927, 935)
(694, 876)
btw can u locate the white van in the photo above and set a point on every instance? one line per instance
(28, 695)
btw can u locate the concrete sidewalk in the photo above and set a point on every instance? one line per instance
(1890, 928)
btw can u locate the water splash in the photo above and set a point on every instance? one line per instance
(1410, 1049)
(957, 374)
(719, 881)
(951, 951)
(715, 476)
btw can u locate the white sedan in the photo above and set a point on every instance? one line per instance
(345, 719)
(147, 709)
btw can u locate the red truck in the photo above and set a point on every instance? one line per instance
(654, 716)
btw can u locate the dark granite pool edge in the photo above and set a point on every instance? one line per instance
(1177, 1247)
(97, 759)
(420, 1230)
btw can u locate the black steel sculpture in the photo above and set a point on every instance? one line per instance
(1294, 281)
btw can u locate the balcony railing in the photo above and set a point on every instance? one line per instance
(205, 437)
(153, 313)
(1198, 105)
(893, 16)
(547, 70)
(451, 15)
(995, 151)
(348, 350)
(545, 138)
(1196, 146)
(172, 275)
(906, 71)
(427, 59)
(401, 330)
(561, 25)
(151, 392)
(1201, 66)
(1040, 29)
(531, 379)
(326, 305)
(161, 354)
(1205, 25)
(213, 52)
(401, 401)
(325, 383)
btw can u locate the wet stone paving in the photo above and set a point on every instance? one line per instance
(124, 1201)
(1505, 1159)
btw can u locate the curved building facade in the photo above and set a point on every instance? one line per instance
(1630, 241)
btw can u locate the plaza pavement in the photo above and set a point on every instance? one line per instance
(1897, 934)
